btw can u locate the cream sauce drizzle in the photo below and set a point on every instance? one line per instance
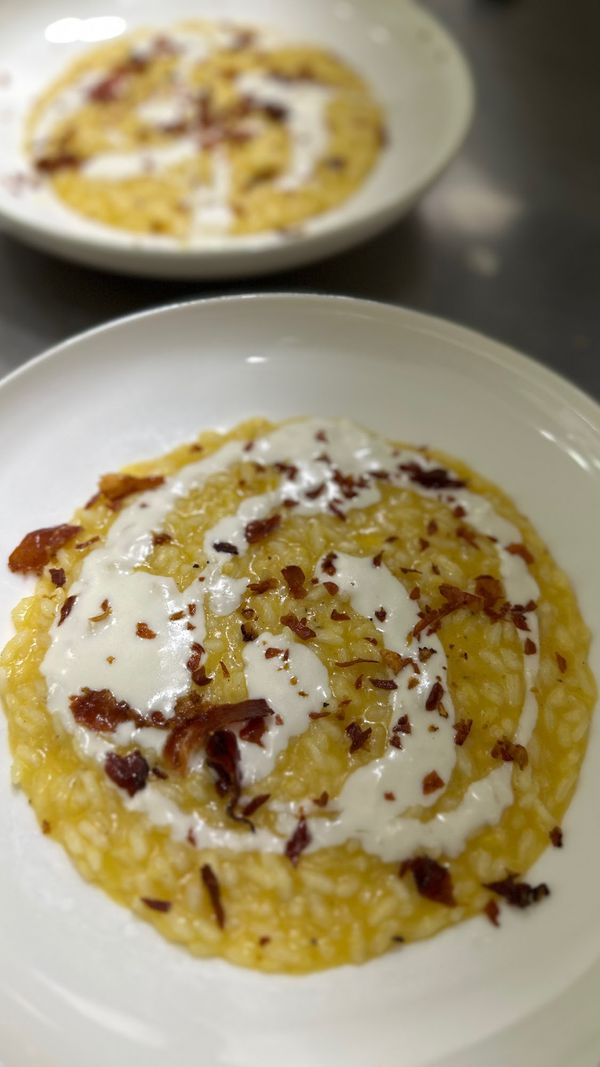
(305, 103)
(315, 448)
(296, 687)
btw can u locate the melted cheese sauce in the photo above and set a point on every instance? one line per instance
(315, 456)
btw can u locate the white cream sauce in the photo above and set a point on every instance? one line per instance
(144, 162)
(306, 105)
(296, 686)
(151, 674)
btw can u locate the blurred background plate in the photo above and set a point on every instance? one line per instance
(81, 980)
(415, 69)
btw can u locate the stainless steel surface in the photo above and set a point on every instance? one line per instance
(507, 242)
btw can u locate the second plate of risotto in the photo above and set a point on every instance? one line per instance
(213, 143)
(309, 689)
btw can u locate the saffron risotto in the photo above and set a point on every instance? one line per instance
(205, 130)
(161, 835)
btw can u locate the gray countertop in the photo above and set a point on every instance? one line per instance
(507, 242)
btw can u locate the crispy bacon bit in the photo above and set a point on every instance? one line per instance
(200, 677)
(413, 683)
(380, 614)
(61, 161)
(128, 772)
(66, 609)
(99, 710)
(415, 593)
(248, 634)
(462, 729)
(425, 654)
(156, 905)
(383, 683)
(190, 732)
(377, 559)
(299, 840)
(254, 804)
(319, 714)
(298, 626)
(248, 613)
(518, 894)
(253, 730)
(358, 736)
(143, 630)
(323, 800)
(116, 487)
(106, 610)
(432, 879)
(529, 647)
(556, 836)
(259, 528)
(57, 576)
(491, 592)
(225, 669)
(389, 796)
(194, 666)
(177, 615)
(432, 527)
(562, 663)
(432, 782)
(262, 586)
(518, 619)
(339, 616)
(213, 889)
(328, 564)
(459, 512)
(395, 741)
(517, 548)
(288, 469)
(161, 538)
(334, 508)
(312, 494)
(423, 543)
(39, 547)
(225, 546)
(493, 912)
(108, 88)
(456, 598)
(435, 697)
(295, 578)
(434, 478)
(270, 653)
(509, 752)
(331, 588)
(467, 535)
(403, 726)
(223, 757)
(321, 436)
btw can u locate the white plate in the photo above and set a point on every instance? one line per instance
(415, 69)
(82, 981)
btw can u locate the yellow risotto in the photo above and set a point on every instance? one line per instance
(296, 694)
(205, 129)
